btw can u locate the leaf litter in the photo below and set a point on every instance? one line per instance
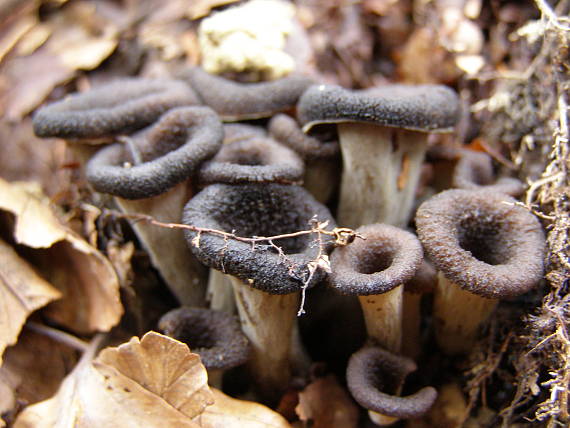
(520, 117)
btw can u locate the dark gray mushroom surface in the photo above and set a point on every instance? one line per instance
(257, 209)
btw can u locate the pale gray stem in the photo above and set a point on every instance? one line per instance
(167, 248)
(381, 169)
(220, 292)
(267, 321)
(458, 316)
(383, 318)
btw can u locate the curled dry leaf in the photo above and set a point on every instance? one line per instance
(324, 404)
(33, 370)
(30, 160)
(22, 291)
(81, 37)
(165, 28)
(87, 280)
(228, 412)
(75, 38)
(25, 88)
(200, 8)
(152, 382)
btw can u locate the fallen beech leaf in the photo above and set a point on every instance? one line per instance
(22, 291)
(82, 38)
(34, 39)
(200, 8)
(154, 382)
(327, 405)
(33, 369)
(120, 256)
(87, 54)
(423, 60)
(30, 160)
(15, 33)
(228, 412)
(87, 280)
(165, 367)
(7, 393)
(36, 226)
(25, 87)
(379, 7)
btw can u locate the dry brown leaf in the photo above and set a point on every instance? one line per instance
(154, 382)
(33, 369)
(228, 412)
(81, 37)
(16, 33)
(87, 280)
(327, 405)
(379, 7)
(31, 159)
(165, 367)
(75, 38)
(201, 8)
(33, 39)
(120, 255)
(26, 88)
(22, 291)
(165, 27)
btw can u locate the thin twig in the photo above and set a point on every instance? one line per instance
(58, 336)
(342, 236)
(551, 16)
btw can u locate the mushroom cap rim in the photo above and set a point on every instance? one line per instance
(406, 257)
(309, 125)
(461, 267)
(421, 108)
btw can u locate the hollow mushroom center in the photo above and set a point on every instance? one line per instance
(260, 214)
(177, 135)
(481, 176)
(196, 335)
(384, 377)
(484, 239)
(249, 158)
(375, 258)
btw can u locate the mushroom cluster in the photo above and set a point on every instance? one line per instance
(229, 160)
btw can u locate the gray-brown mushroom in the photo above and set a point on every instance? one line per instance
(321, 155)
(267, 282)
(117, 108)
(474, 171)
(374, 268)
(423, 282)
(485, 248)
(375, 378)
(235, 101)
(148, 174)
(257, 159)
(215, 336)
(158, 158)
(383, 138)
